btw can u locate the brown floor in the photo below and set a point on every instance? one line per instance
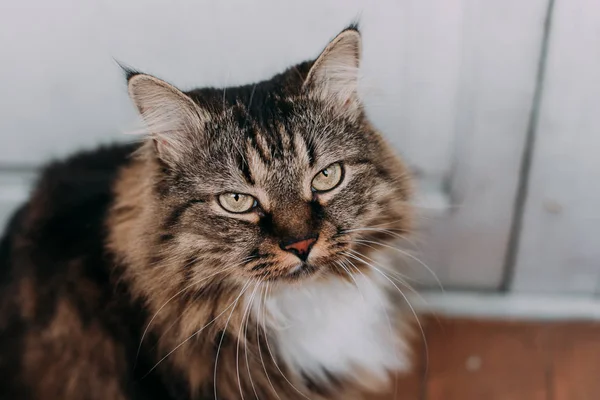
(494, 360)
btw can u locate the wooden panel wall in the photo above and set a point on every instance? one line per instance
(500, 45)
(559, 249)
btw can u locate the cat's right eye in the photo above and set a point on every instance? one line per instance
(237, 203)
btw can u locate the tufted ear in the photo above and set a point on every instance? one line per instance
(171, 117)
(334, 74)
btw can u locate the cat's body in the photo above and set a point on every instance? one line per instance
(140, 274)
(66, 324)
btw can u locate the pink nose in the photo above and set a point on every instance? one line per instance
(301, 248)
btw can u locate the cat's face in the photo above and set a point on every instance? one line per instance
(275, 180)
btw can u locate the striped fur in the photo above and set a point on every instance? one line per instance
(140, 285)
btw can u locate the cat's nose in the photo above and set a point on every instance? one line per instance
(300, 247)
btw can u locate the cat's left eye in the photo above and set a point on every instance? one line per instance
(237, 202)
(328, 178)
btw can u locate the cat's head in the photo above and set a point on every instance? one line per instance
(277, 180)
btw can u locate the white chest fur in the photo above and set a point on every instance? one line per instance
(337, 326)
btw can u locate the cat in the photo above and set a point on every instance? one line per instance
(231, 254)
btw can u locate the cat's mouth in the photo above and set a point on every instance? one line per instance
(302, 270)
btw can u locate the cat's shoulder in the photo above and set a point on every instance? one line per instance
(63, 219)
(62, 222)
(59, 310)
(80, 176)
(70, 196)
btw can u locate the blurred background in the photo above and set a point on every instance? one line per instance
(494, 104)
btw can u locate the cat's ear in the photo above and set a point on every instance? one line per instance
(334, 74)
(171, 118)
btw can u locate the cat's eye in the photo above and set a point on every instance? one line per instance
(237, 202)
(327, 178)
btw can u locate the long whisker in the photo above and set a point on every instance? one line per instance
(386, 231)
(262, 307)
(395, 221)
(369, 228)
(165, 331)
(351, 275)
(433, 274)
(407, 302)
(387, 318)
(215, 384)
(170, 299)
(246, 341)
(237, 351)
(401, 278)
(277, 365)
(389, 274)
(199, 330)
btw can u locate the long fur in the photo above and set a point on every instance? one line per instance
(124, 278)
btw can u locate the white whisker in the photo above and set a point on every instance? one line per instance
(386, 231)
(433, 274)
(403, 279)
(200, 330)
(169, 300)
(403, 282)
(277, 365)
(261, 307)
(349, 273)
(215, 382)
(407, 302)
(237, 351)
(387, 317)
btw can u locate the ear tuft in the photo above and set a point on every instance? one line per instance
(127, 70)
(354, 26)
(334, 74)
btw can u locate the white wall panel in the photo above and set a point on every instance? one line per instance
(559, 249)
(500, 45)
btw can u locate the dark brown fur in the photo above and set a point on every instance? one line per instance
(117, 245)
